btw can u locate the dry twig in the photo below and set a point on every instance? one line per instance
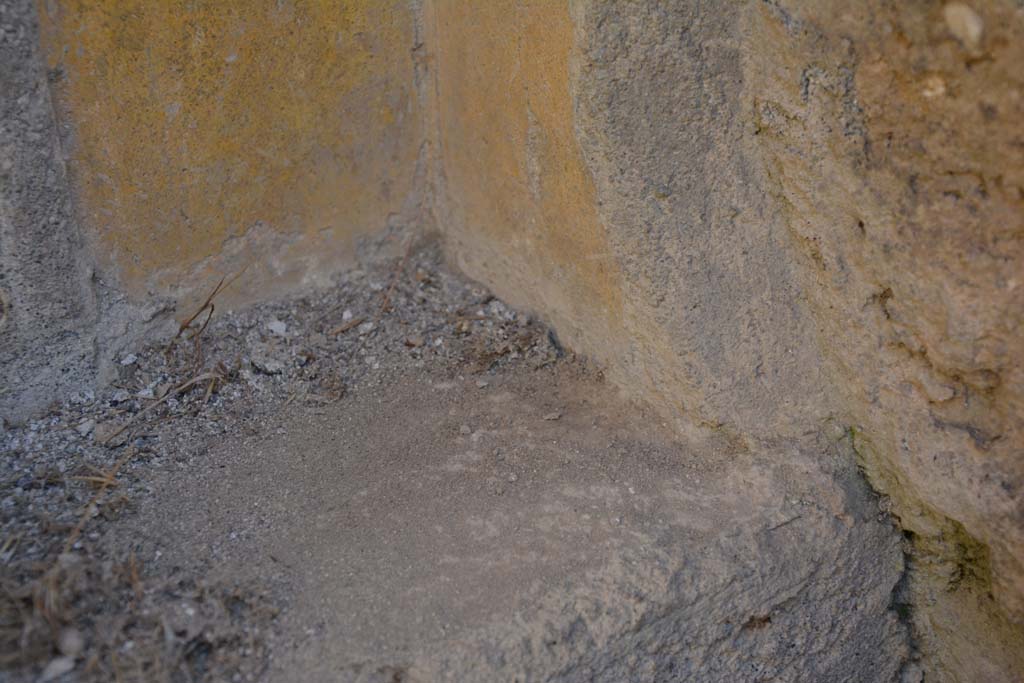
(107, 481)
(386, 302)
(207, 305)
(181, 388)
(345, 327)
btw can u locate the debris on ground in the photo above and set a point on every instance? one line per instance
(73, 595)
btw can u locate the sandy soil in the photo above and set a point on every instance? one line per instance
(400, 479)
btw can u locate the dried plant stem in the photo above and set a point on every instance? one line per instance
(107, 481)
(181, 388)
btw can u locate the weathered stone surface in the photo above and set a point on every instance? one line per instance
(808, 217)
(47, 304)
(765, 218)
(204, 137)
(511, 169)
(892, 147)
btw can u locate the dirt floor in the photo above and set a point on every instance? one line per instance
(400, 479)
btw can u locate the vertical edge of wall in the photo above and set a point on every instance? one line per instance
(48, 317)
(514, 200)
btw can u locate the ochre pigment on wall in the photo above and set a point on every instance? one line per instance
(291, 125)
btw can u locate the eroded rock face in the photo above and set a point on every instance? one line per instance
(150, 150)
(809, 217)
(892, 150)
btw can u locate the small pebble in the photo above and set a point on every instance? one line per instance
(86, 427)
(513, 477)
(277, 327)
(481, 383)
(268, 366)
(464, 429)
(553, 416)
(964, 23)
(57, 668)
(70, 643)
(934, 86)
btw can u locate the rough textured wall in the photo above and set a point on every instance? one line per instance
(570, 180)
(47, 303)
(769, 218)
(766, 217)
(207, 135)
(892, 145)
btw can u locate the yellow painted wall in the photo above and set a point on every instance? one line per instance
(517, 194)
(517, 200)
(293, 123)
